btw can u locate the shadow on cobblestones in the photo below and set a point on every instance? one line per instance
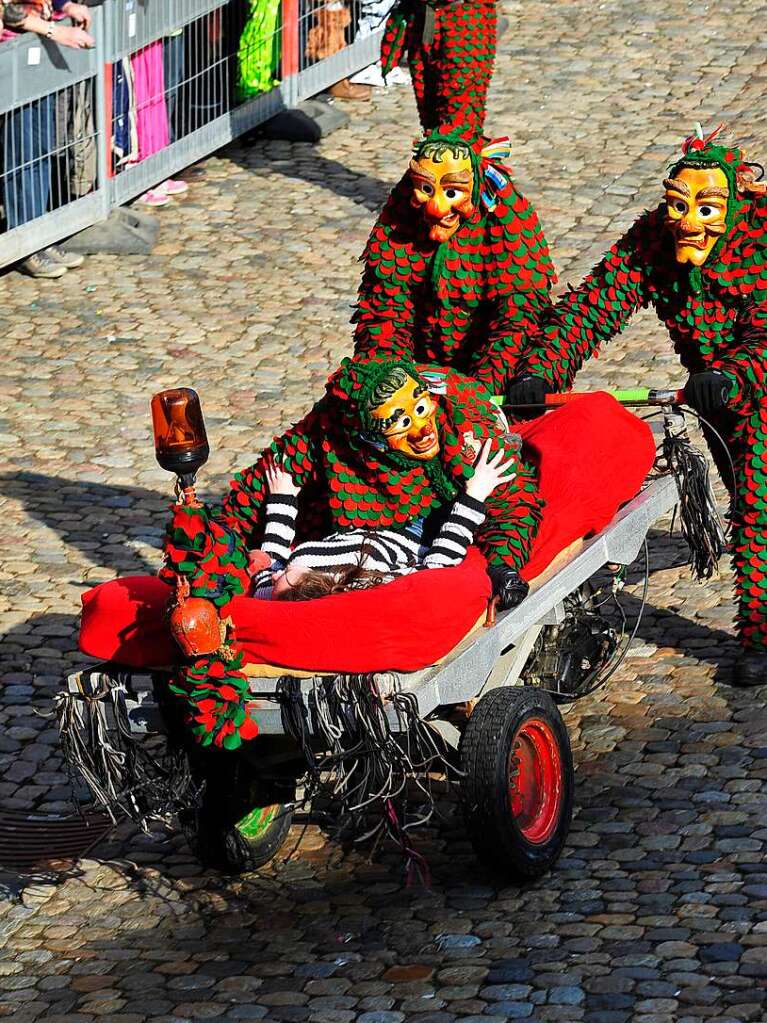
(105, 523)
(303, 162)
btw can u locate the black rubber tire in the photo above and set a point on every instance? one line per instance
(230, 795)
(486, 749)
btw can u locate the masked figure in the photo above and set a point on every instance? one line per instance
(456, 269)
(700, 258)
(388, 446)
(451, 50)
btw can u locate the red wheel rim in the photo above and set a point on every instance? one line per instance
(535, 780)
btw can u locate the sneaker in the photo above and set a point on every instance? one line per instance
(153, 198)
(345, 90)
(172, 187)
(68, 259)
(40, 264)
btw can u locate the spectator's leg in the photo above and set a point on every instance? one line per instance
(28, 143)
(173, 65)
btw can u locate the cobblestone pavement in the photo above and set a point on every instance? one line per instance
(656, 912)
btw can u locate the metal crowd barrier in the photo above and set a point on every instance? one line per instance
(168, 82)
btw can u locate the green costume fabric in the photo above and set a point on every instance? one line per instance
(716, 316)
(258, 55)
(348, 480)
(471, 302)
(451, 51)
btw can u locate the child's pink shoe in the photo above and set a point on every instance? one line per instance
(153, 198)
(172, 187)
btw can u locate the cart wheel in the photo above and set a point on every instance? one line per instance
(240, 825)
(517, 792)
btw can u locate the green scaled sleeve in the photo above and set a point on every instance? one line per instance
(513, 516)
(515, 319)
(587, 316)
(746, 360)
(385, 318)
(296, 450)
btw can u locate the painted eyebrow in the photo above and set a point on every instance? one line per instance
(677, 185)
(385, 424)
(415, 169)
(714, 192)
(457, 179)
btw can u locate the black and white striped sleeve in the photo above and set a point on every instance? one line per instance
(280, 526)
(457, 533)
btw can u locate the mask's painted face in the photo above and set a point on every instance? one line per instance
(408, 421)
(442, 192)
(696, 208)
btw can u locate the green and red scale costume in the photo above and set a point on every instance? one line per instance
(716, 316)
(470, 302)
(347, 482)
(451, 51)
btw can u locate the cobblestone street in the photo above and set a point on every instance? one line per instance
(657, 911)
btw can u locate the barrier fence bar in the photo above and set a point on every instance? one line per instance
(168, 83)
(49, 182)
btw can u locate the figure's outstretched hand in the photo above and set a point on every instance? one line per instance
(278, 480)
(708, 392)
(489, 473)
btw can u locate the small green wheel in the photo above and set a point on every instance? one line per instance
(241, 824)
(518, 785)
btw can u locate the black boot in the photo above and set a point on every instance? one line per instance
(750, 669)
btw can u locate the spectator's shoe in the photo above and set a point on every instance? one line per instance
(750, 669)
(171, 187)
(40, 264)
(347, 90)
(153, 198)
(68, 259)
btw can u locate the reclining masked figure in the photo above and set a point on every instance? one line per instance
(456, 269)
(700, 258)
(451, 50)
(386, 447)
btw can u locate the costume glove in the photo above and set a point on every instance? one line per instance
(510, 588)
(707, 392)
(528, 390)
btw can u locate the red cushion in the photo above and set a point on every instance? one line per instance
(592, 456)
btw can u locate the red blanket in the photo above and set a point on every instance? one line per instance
(592, 457)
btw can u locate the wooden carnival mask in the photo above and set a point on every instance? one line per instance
(442, 190)
(407, 421)
(696, 211)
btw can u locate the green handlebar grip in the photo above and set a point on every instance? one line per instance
(629, 396)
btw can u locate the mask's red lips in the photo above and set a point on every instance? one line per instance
(424, 443)
(696, 243)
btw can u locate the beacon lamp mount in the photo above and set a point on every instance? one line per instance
(181, 447)
(180, 441)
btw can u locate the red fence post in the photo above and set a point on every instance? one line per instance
(290, 63)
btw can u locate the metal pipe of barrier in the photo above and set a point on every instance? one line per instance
(203, 77)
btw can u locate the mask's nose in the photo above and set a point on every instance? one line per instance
(690, 225)
(438, 207)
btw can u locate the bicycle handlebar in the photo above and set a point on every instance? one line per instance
(637, 396)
